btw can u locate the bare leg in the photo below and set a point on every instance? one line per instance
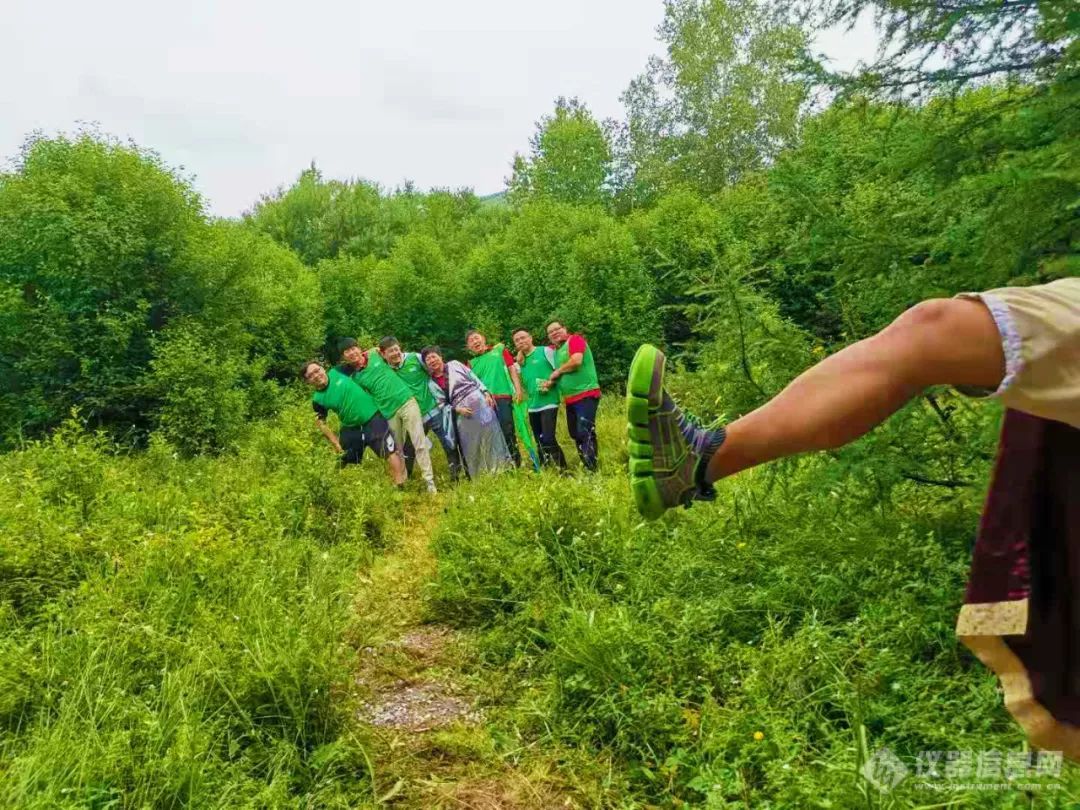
(397, 468)
(943, 341)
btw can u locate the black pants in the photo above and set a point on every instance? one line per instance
(351, 440)
(581, 423)
(505, 410)
(543, 425)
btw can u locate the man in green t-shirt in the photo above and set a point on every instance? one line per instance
(536, 365)
(575, 379)
(438, 420)
(362, 426)
(395, 400)
(497, 370)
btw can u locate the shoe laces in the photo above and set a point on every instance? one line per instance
(695, 431)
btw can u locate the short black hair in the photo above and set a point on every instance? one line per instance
(388, 341)
(424, 352)
(554, 320)
(346, 343)
(472, 332)
(520, 329)
(306, 365)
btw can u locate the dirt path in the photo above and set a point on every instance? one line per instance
(430, 745)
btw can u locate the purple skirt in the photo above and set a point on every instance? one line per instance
(1021, 613)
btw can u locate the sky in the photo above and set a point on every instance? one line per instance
(244, 95)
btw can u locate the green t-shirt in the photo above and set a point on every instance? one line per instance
(584, 378)
(383, 383)
(538, 365)
(414, 374)
(353, 405)
(491, 368)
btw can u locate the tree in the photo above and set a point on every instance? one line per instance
(119, 298)
(569, 159)
(927, 46)
(93, 237)
(721, 104)
(574, 263)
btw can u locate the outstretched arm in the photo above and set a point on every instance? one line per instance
(939, 342)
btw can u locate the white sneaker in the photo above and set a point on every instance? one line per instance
(431, 488)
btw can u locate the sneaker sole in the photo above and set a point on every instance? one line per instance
(643, 391)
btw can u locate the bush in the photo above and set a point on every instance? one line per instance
(172, 629)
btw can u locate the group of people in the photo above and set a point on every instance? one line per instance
(388, 400)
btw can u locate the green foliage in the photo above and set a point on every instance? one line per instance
(929, 46)
(171, 630)
(569, 160)
(201, 409)
(722, 103)
(573, 263)
(416, 293)
(92, 239)
(113, 282)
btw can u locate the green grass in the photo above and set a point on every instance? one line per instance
(748, 653)
(184, 633)
(171, 631)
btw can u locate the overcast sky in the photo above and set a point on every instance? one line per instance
(245, 94)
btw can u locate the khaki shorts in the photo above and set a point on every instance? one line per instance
(1040, 333)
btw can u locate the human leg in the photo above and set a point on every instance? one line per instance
(581, 415)
(380, 438)
(413, 427)
(441, 424)
(504, 408)
(948, 341)
(543, 424)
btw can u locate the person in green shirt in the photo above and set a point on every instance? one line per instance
(395, 400)
(362, 426)
(437, 419)
(536, 365)
(498, 371)
(575, 379)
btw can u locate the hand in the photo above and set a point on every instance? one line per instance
(490, 400)
(545, 385)
(519, 396)
(464, 411)
(337, 447)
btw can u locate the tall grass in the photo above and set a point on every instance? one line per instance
(171, 630)
(736, 653)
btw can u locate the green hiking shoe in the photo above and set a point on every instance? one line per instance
(669, 449)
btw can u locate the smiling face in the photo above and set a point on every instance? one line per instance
(393, 355)
(315, 376)
(476, 343)
(354, 356)
(523, 341)
(557, 333)
(434, 363)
